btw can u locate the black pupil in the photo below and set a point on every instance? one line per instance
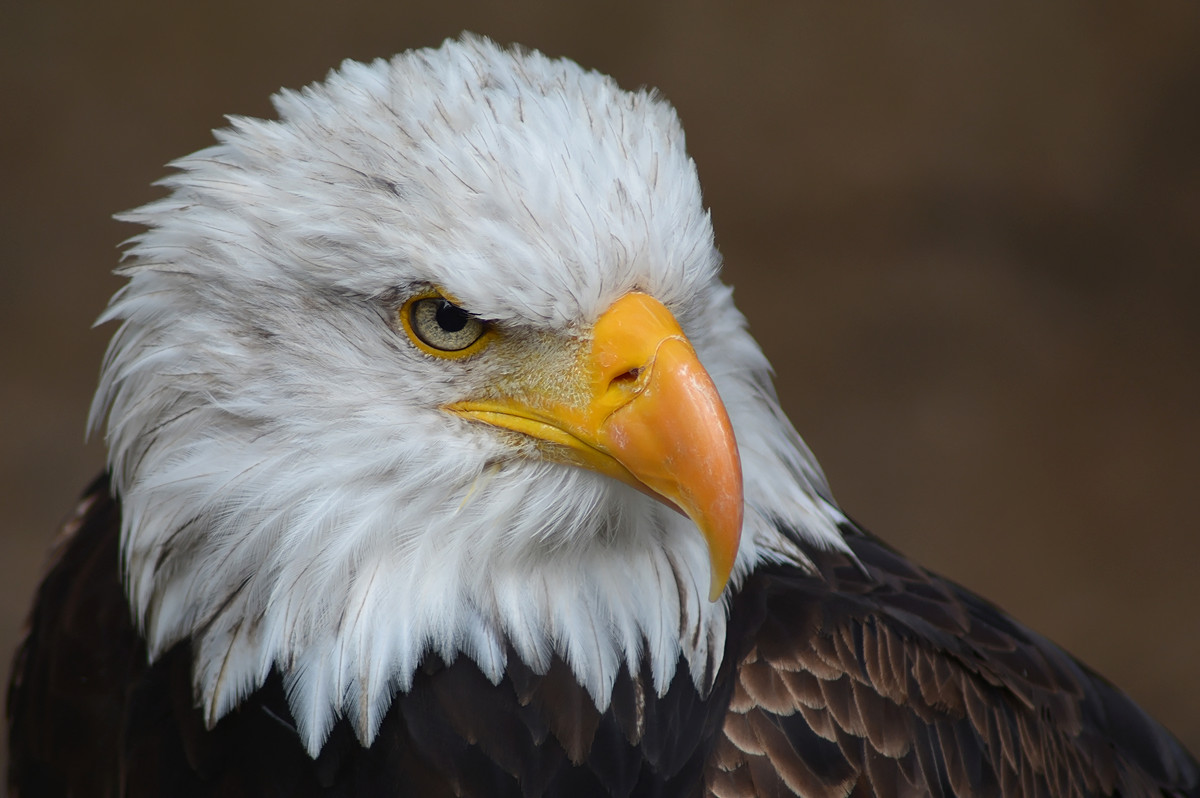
(450, 317)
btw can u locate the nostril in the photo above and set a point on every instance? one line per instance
(628, 378)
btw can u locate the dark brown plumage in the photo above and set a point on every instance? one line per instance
(886, 680)
(870, 679)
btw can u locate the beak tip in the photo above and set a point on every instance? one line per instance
(721, 568)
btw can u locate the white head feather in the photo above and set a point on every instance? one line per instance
(293, 495)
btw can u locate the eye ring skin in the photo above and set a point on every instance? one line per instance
(406, 316)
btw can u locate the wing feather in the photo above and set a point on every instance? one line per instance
(67, 689)
(918, 687)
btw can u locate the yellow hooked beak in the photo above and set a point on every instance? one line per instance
(639, 408)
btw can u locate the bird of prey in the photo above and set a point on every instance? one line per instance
(442, 463)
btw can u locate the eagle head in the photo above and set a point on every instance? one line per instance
(439, 363)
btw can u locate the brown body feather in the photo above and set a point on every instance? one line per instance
(871, 678)
(880, 679)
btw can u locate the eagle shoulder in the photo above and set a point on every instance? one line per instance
(73, 667)
(877, 678)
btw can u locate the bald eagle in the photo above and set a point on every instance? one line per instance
(441, 463)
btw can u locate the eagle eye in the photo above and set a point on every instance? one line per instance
(439, 327)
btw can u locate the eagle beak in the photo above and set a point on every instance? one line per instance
(639, 407)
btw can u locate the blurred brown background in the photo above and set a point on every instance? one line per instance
(968, 236)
